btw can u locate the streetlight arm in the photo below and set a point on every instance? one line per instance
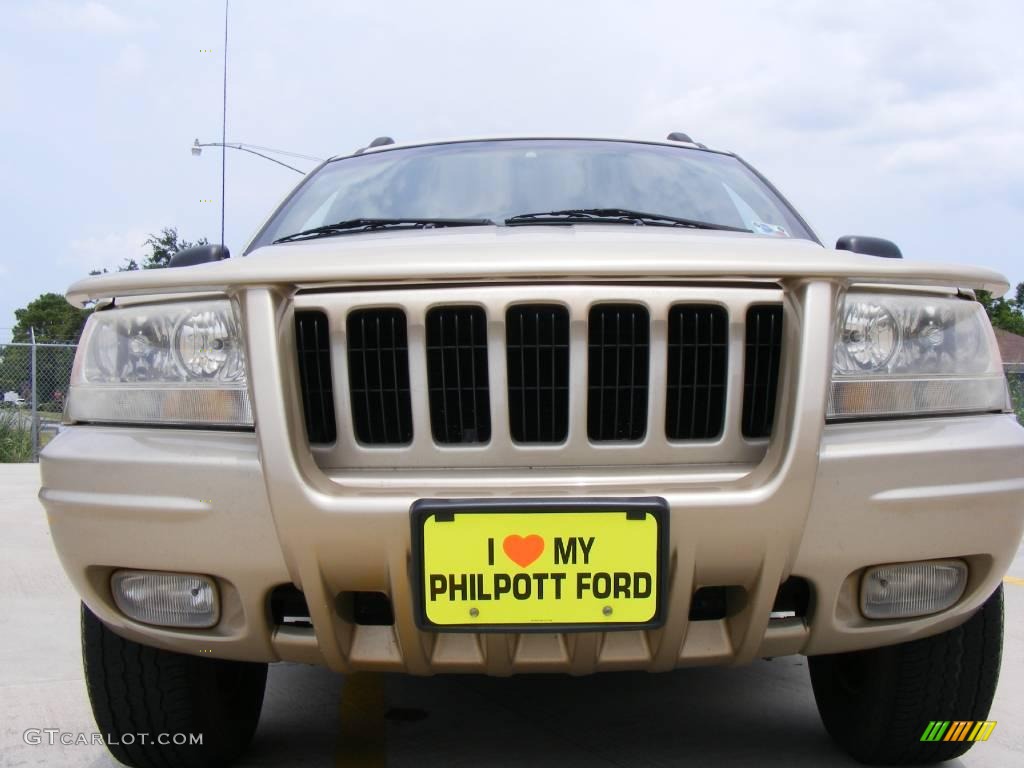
(284, 152)
(250, 151)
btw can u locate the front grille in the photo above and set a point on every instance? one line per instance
(313, 341)
(524, 375)
(698, 356)
(460, 410)
(378, 374)
(537, 356)
(761, 369)
(619, 338)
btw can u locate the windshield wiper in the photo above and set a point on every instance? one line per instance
(614, 216)
(369, 225)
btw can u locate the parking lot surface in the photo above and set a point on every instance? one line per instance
(762, 714)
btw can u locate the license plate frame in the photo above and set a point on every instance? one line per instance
(446, 509)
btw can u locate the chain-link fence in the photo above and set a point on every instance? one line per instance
(33, 386)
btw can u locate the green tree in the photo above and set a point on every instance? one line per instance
(53, 319)
(1007, 314)
(161, 247)
(165, 245)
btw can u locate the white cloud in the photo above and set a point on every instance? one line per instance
(91, 16)
(105, 251)
(99, 18)
(896, 89)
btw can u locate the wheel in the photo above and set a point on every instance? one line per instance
(877, 704)
(135, 689)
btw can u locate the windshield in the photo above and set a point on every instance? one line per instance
(498, 180)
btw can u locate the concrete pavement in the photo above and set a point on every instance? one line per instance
(762, 714)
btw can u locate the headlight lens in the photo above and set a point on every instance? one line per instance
(870, 337)
(903, 354)
(162, 364)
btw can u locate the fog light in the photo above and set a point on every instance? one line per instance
(911, 589)
(166, 599)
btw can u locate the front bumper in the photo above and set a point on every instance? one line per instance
(219, 503)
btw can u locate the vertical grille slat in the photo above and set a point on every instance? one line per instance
(696, 372)
(378, 371)
(403, 406)
(517, 392)
(364, 395)
(537, 358)
(763, 351)
(698, 355)
(554, 369)
(380, 367)
(618, 372)
(711, 406)
(536, 362)
(313, 342)
(458, 378)
(457, 354)
(601, 391)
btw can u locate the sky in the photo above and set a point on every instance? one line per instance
(902, 120)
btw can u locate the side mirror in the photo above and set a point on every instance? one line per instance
(199, 254)
(872, 246)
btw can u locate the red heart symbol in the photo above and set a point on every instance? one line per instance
(523, 550)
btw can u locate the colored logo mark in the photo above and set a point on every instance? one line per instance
(958, 730)
(523, 550)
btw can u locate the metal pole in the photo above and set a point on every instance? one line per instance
(224, 128)
(35, 402)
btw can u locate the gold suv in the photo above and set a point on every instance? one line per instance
(537, 405)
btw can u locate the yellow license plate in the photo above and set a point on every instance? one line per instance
(541, 565)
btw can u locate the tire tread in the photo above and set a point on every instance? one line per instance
(950, 676)
(134, 688)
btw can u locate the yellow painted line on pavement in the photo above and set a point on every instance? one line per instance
(1016, 580)
(361, 735)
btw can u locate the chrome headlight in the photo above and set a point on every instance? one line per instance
(162, 364)
(904, 354)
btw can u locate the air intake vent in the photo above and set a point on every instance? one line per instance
(698, 355)
(457, 375)
(313, 340)
(761, 369)
(537, 346)
(378, 374)
(619, 340)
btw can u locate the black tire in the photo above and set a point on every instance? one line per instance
(137, 689)
(876, 704)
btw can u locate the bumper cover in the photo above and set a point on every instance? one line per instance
(198, 501)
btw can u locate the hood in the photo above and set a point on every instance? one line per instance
(545, 252)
